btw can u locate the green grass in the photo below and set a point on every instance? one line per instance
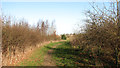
(37, 56)
(66, 55)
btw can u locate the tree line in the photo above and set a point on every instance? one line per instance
(19, 35)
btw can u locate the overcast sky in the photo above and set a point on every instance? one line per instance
(65, 14)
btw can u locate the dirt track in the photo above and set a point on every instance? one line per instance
(48, 58)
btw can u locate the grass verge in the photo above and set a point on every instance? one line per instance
(67, 56)
(37, 56)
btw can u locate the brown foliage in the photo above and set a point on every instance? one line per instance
(100, 36)
(19, 35)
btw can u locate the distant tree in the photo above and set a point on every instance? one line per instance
(63, 37)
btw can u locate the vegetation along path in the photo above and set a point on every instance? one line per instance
(41, 56)
(55, 54)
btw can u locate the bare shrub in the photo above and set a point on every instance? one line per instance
(19, 35)
(100, 36)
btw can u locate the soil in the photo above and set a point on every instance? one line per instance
(48, 61)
